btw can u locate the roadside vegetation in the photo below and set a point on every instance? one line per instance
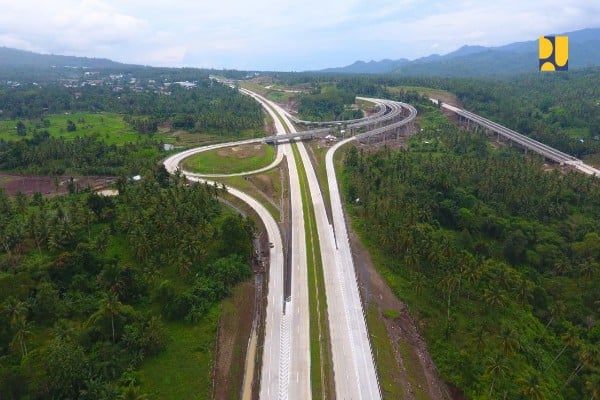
(497, 259)
(102, 297)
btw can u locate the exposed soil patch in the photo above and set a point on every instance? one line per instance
(51, 186)
(232, 341)
(264, 183)
(241, 152)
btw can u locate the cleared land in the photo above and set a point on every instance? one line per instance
(231, 160)
(110, 128)
(51, 185)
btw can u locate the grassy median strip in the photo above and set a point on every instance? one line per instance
(320, 350)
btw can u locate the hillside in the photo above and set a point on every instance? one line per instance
(21, 58)
(519, 57)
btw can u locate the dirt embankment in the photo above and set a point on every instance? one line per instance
(401, 330)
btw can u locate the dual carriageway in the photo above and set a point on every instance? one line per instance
(286, 358)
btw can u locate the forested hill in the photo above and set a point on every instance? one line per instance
(521, 57)
(16, 58)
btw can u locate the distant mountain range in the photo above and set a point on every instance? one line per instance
(584, 51)
(21, 58)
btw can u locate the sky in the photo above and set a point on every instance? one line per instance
(277, 34)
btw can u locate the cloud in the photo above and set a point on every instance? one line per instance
(273, 34)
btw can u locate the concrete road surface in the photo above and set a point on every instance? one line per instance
(354, 369)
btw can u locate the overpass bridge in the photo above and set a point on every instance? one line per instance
(389, 117)
(525, 142)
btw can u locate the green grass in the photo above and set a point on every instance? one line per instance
(211, 162)
(321, 170)
(321, 363)
(280, 97)
(578, 133)
(364, 104)
(238, 182)
(415, 373)
(387, 368)
(111, 128)
(444, 95)
(184, 369)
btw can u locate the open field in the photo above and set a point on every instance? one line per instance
(183, 370)
(231, 160)
(111, 128)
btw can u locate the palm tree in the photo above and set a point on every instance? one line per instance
(532, 387)
(557, 310)
(418, 281)
(524, 293)
(112, 305)
(132, 393)
(495, 368)
(447, 285)
(562, 267)
(509, 340)
(592, 385)
(480, 336)
(494, 297)
(588, 357)
(570, 339)
(22, 331)
(15, 309)
(111, 277)
(109, 308)
(589, 269)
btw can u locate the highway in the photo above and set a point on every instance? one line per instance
(350, 363)
(285, 370)
(271, 353)
(286, 358)
(294, 379)
(353, 363)
(528, 143)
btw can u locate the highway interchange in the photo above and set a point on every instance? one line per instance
(285, 372)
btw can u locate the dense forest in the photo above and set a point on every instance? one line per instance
(45, 155)
(327, 103)
(89, 284)
(498, 259)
